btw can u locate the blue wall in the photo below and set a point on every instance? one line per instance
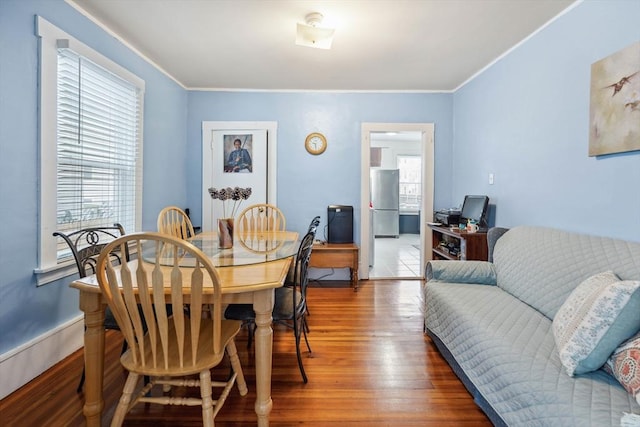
(526, 119)
(27, 311)
(308, 184)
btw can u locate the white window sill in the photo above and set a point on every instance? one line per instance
(65, 269)
(51, 274)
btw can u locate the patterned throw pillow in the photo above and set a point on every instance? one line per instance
(624, 365)
(598, 316)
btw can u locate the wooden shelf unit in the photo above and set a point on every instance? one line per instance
(471, 246)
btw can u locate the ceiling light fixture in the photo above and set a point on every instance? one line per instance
(312, 34)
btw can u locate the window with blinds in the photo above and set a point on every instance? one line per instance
(99, 165)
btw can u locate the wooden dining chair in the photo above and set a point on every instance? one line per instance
(85, 246)
(176, 347)
(260, 218)
(175, 222)
(252, 223)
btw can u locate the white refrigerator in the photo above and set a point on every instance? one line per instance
(385, 199)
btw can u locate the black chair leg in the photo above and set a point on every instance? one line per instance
(299, 355)
(79, 389)
(298, 330)
(251, 330)
(305, 328)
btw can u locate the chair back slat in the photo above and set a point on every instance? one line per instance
(132, 319)
(262, 217)
(146, 304)
(112, 293)
(157, 276)
(197, 278)
(177, 300)
(174, 221)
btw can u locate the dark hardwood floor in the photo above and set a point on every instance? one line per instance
(371, 366)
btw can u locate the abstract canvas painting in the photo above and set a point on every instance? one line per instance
(615, 103)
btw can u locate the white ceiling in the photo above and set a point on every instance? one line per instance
(379, 45)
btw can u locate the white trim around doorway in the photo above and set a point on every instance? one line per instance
(428, 187)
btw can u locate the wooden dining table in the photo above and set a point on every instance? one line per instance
(249, 272)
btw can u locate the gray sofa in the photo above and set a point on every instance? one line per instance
(493, 323)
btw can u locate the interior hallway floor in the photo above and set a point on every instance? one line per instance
(396, 257)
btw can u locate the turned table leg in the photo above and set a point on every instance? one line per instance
(93, 308)
(263, 306)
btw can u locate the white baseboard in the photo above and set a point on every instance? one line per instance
(27, 361)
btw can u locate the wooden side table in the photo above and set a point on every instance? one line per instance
(337, 255)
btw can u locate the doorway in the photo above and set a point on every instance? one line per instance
(403, 256)
(396, 158)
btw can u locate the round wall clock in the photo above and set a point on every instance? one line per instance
(315, 143)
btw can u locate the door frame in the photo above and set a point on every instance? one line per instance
(207, 159)
(427, 131)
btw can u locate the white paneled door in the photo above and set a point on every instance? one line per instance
(236, 155)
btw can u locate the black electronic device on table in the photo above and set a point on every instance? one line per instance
(475, 208)
(340, 224)
(447, 217)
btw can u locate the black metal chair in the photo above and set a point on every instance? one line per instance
(313, 227)
(86, 245)
(290, 307)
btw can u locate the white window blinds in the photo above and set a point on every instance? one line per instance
(99, 165)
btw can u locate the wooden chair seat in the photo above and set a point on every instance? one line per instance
(205, 358)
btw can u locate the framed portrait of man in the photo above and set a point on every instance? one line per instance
(238, 149)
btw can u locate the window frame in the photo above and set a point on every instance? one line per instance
(417, 157)
(49, 269)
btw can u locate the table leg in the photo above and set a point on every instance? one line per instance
(93, 308)
(263, 306)
(354, 276)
